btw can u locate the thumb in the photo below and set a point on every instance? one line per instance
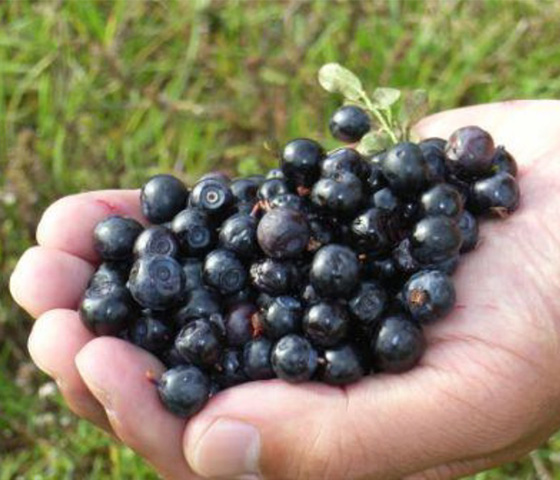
(387, 427)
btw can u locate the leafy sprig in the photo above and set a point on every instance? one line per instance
(393, 111)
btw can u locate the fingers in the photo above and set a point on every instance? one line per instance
(136, 414)
(45, 279)
(519, 125)
(56, 338)
(68, 224)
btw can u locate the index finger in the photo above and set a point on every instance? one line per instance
(68, 223)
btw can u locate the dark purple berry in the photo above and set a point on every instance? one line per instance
(199, 343)
(496, 194)
(341, 365)
(274, 277)
(335, 271)
(156, 240)
(184, 390)
(231, 372)
(349, 124)
(272, 188)
(435, 239)
(301, 161)
(201, 303)
(244, 189)
(405, 169)
(294, 359)
(398, 344)
(212, 196)
(283, 316)
(239, 234)
(442, 199)
(162, 197)
(370, 231)
(194, 231)
(283, 233)
(239, 329)
(326, 324)
(157, 282)
(470, 151)
(224, 271)
(340, 194)
(503, 161)
(344, 159)
(368, 303)
(468, 225)
(429, 295)
(433, 150)
(193, 273)
(256, 359)
(114, 237)
(151, 333)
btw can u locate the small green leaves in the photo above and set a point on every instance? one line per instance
(335, 78)
(385, 98)
(415, 106)
(373, 142)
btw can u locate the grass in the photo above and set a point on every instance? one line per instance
(104, 94)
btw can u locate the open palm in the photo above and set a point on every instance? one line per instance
(485, 391)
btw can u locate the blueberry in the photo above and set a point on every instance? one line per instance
(246, 295)
(283, 233)
(283, 316)
(244, 189)
(157, 282)
(384, 268)
(326, 323)
(200, 303)
(349, 124)
(368, 303)
(468, 225)
(448, 266)
(335, 271)
(193, 273)
(294, 359)
(224, 271)
(171, 357)
(405, 169)
(239, 234)
(199, 343)
(194, 231)
(370, 231)
(341, 365)
(156, 240)
(264, 300)
(238, 322)
(111, 272)
(340, 194)
(398, 344)
(503, 161)
(256, 359)
(272, 188)
(184, 390)
(218, 176)
(470, 151)
(301, 161)
(374, 178)
(433, 150)
(435, 239)
(151, 333)
(496, 194)
(403, 259)
(442, 199)
(232, 371)
(107, 308)
(212, 196)
(344, 159)
(162, 197)
(275, 173)
(429, 295)
(385, 200)
(274, 277)
(323, 231)
(114, 237)
(291, 201)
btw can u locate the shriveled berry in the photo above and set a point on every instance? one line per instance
(157, 282)
(349, 124)
(368, 303)
(370, 231)
(274, 277)
(429, 295)
(114, 237)
(294, 359)
(184, 390)
(162, 197)
(283, 233)
(398, 344)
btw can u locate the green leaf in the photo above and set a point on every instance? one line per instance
(335, 78)
(415, 106)
(373, 142)
(384, 97)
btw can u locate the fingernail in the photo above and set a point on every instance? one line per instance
(230, 449)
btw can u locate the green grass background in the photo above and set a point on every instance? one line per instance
(104, 94)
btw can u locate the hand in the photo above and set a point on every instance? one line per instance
(485, 392)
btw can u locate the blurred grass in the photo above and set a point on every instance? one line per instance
(104, 94)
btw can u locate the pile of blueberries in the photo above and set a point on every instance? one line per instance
(325, 269)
